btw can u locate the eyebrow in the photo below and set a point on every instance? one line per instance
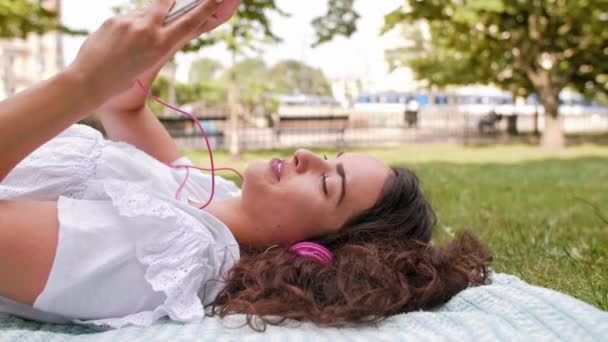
(340, 169)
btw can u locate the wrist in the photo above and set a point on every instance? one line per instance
(85, 85)
(76, 89)
(130, 101)
(93, 85)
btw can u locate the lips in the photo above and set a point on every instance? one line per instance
(276, 165)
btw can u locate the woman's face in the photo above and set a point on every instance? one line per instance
(307, 195)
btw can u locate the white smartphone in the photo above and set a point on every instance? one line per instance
(180, 7)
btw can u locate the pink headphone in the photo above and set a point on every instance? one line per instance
(314, 251)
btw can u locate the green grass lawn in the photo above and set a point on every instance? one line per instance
(534, 209)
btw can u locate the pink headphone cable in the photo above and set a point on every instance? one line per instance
(188, 167)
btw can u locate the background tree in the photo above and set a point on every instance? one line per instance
(252, 84)
(18, 18)
(289, 77)
(340, 20)
(527, 47)
(250, 27)
(206, 77)
(211, 93)
(204, 69)
(257, 82)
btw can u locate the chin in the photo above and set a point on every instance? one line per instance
(255, 177)
(251, 170)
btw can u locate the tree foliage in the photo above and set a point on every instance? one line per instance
(536, 46)
(509, 42)
(289, 77)
(209, 82)
(204, 69)
(18, 18)
(252, 82)
(340, 19)
(251, 25)
(257, 80)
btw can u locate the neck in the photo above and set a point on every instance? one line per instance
(230, 212)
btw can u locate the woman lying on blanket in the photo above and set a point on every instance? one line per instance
(91, 231)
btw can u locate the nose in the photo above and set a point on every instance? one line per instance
(305, 160)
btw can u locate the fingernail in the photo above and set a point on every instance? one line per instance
(219, 1)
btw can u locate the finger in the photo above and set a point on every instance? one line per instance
(223, 14)
(190, 22)
(227, 9)
(159, 10)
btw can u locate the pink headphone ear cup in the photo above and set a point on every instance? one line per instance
(312, 250)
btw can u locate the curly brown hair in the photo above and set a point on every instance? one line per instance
(383, 264)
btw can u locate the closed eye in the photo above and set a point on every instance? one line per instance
(324, 184)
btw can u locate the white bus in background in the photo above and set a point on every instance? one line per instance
(475, 104)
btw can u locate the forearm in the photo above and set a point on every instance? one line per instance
(142, 129)
(33, 117)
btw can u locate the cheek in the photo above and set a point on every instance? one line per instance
(301, 199)
(291, 226)
(257, 199)
(255, 185)
(291, 209)
(302, 214)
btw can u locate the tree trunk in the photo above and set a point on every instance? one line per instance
(172, 96)
(553, 134)
(536, 130)
(548, 87)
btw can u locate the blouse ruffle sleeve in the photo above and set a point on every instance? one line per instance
(181, 253)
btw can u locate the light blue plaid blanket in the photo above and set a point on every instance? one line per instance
(507, 310)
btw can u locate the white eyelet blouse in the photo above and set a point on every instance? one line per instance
(128, 252)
